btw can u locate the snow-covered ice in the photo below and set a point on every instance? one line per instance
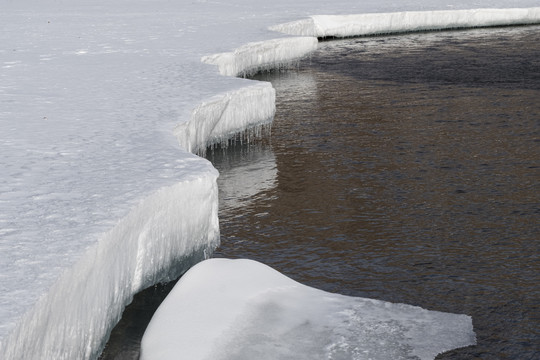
(383, 23)
(102, 104)
(242, 309)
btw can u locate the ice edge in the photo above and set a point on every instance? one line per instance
(322, 26)
(184, 224)
(222, 116)
(219, 118)
(196, 134)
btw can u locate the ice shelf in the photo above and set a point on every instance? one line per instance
(103, 104)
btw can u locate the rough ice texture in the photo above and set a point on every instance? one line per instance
(242, 309)
(98, 197)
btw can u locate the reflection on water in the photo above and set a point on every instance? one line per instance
(406, 169)
(245, 172)
(403, 168)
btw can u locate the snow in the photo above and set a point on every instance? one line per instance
(242, 309)
(103, 105)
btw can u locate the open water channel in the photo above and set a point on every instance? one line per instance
(401, 168)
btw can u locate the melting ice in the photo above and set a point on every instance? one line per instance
(242, 309)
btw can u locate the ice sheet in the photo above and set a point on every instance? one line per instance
(101, 104)
(242, 309)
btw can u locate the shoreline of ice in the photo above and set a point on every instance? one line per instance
(108, 188)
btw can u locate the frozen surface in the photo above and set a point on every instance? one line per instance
(242, 309)
(382, 23)
(102, 104)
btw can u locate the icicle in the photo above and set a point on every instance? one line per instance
(250, 136)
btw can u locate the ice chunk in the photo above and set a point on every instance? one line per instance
(380, 23)
(242, 309)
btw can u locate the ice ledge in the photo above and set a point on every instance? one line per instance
(162, 237)
(256, 56)
(222, 116)
(322, 26)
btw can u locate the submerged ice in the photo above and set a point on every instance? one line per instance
(242, 309)
(102, 108)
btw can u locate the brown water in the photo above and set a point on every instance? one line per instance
(402, 168)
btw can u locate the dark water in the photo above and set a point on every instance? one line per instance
(402, 168)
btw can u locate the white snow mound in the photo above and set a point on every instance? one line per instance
(242, 309)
